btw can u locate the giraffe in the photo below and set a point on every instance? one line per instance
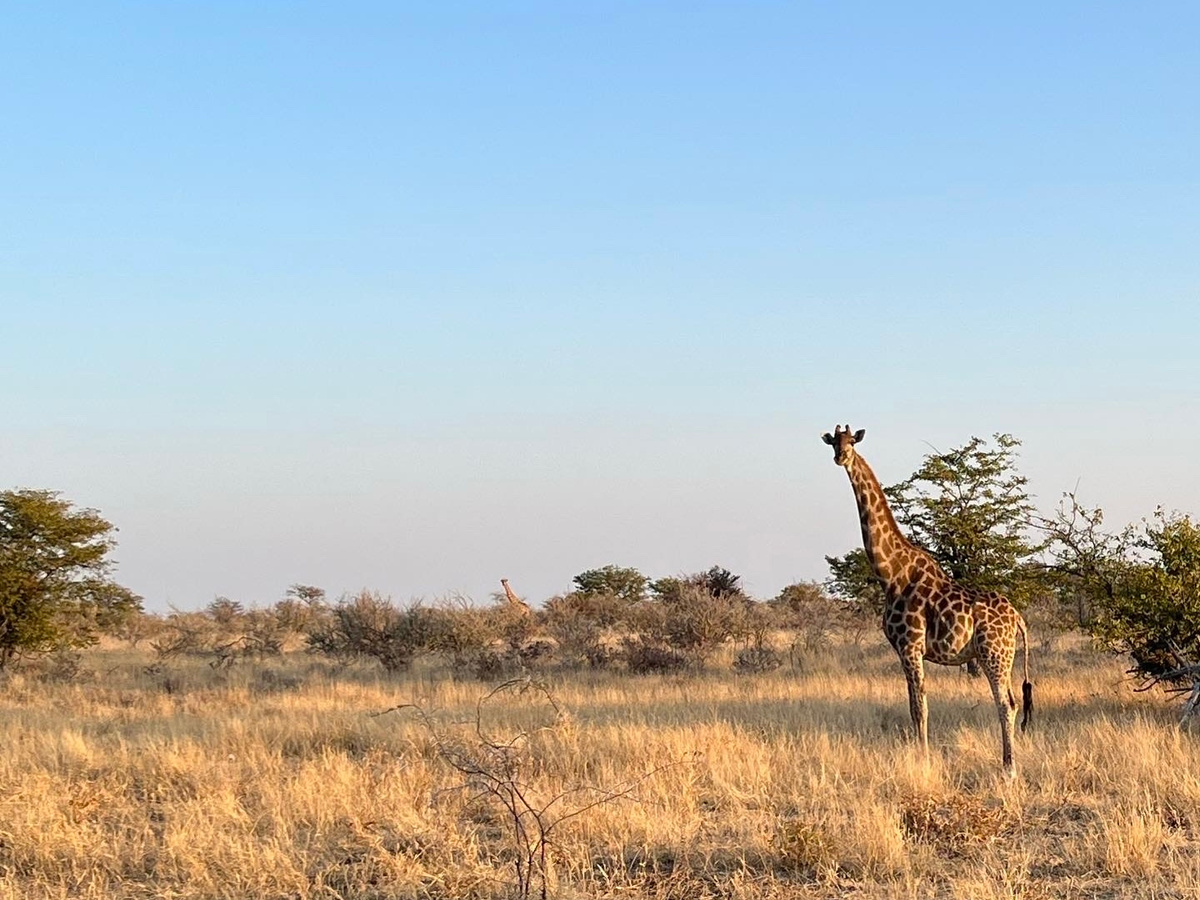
(927, 615)
(515, 602)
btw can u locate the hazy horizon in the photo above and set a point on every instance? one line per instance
(414, 299)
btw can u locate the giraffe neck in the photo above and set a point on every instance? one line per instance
(895, 560)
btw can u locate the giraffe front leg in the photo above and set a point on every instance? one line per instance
(914, 674)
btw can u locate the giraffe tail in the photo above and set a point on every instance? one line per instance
(1026, 685)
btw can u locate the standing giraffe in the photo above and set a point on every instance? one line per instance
(927, 615)
(514, 601)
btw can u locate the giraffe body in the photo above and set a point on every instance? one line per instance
(927, 615)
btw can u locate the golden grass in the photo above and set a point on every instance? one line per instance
(275, 781)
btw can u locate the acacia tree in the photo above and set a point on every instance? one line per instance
(618, 581)
(56, 588)
(718, 583)
(970, 509)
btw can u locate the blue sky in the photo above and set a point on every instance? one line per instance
(416, 296)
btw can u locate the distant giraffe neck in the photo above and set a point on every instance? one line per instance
(892, 556)
(513, 600)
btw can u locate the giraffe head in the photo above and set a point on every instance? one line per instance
(843, 441)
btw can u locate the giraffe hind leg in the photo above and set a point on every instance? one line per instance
(997, 669)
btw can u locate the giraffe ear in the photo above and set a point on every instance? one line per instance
(859, 435)
(827, 438)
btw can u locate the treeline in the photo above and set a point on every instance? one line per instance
(615, 619)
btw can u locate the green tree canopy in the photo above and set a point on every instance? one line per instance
(716, 582)
(970, 509)
(625, 583)
(56, 588)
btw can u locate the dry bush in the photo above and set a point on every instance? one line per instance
(138, 627)
(644, 657)
(187, 634)
(224, 633)
(60, 666)
(955, 823)
(818, 618)
(690, 622)
(488, 643)
(370, 625)
(587, 626)
(805, 848)
(263, 634)
(225, 612)
(757, 660)
(495, 769)
(462, 633)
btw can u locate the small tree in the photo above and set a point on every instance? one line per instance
(970, 509)
(627, 584)
(225, 612)
(301, 608)
(308, 594)
(56, 589)
(463, 633)
(717, 582)
(585, 625)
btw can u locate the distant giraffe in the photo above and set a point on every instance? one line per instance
(927, 615)
(515, 602)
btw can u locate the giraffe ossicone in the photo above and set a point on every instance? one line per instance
(929, 616)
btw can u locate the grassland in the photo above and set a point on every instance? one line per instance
(274, 780)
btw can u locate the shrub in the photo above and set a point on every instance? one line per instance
(757, 660)
(460, 632)
(696, 622)
(263, 634)
(225, 612)
(716, 582)
(186, 634)
(585, 625)
(647, 657)
(370, 625)
(817, 616)
(1142, 586)
(684, 627)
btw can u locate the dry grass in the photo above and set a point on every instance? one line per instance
(275, 781)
